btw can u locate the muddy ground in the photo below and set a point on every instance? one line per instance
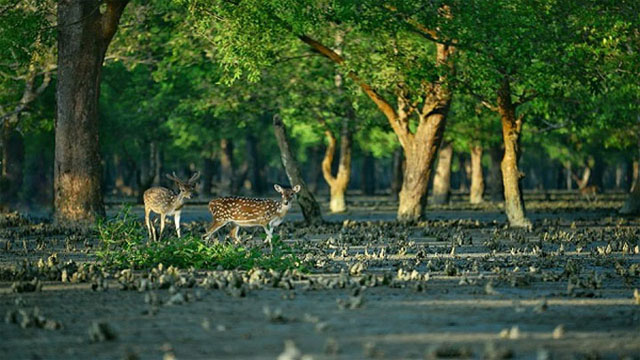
(457, 285)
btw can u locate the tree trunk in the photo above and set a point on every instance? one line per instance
(511, 175)
(464, 172)
(148, 170)
(419, 146)
(568, 175)
(442, 178)
(315, 168)
(632, 204)
(477, 178)
(398, 170)
(12, 167)
(494, 180)
(583, 181)
(308, 204)
(368, 174)
(83, 37)
(208, 168)
(338, 184)
(226, 166)
(254, 165)
(635, 174)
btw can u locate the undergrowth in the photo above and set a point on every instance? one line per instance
(125, 245)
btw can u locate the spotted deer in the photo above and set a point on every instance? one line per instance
(249, 212)
(165, 202)
(589, 192)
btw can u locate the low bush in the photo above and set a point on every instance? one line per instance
(125, 245)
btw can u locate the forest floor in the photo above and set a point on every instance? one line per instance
(457, 285)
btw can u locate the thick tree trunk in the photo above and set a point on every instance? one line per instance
(368, 180)
(254, 165)
(308, 204)
(442, 177)
(477, 178)
(420, 156)
(494, 179)
(511, 175)
(419, 147)
(83, 37)
(398, 169)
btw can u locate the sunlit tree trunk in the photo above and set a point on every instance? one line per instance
(419, 147)
(582, 181)
(511, 175)
(84, 33)
(338, 183)
(477, 177)
(308, 204)
(442, 177)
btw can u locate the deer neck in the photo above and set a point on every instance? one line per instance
(283, 209)
(178, 200)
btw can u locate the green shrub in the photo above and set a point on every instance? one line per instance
(125, 245)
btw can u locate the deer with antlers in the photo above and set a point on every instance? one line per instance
(248, 212)
(165, 202)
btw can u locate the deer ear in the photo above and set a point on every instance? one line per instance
(278, 188)
(297, 188)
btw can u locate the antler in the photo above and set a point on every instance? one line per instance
(194, 177)
(173, 177)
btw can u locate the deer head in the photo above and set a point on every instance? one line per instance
(287, 194)
(187, 188)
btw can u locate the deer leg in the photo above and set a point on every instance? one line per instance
(162, 216)
(148, 222)
(234, 233)
(176, 219)
(269, 232)
(217, 224)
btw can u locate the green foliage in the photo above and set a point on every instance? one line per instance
(125, 245)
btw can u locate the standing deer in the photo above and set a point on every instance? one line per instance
(589, 192)
(248, 212)
(165, 202)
